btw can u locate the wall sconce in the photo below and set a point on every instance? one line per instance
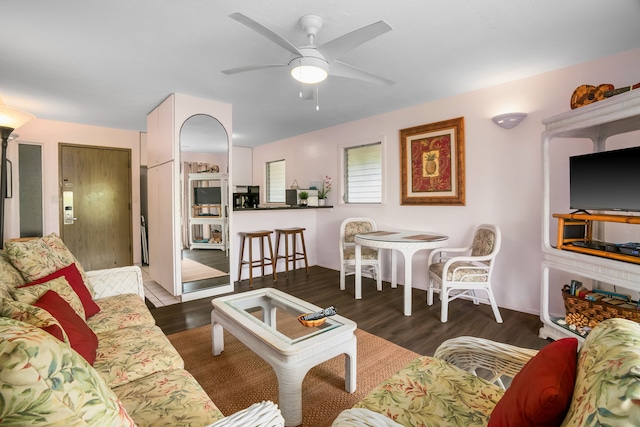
(10, 119)
(509, 120)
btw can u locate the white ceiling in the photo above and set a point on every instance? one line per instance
(109, 63)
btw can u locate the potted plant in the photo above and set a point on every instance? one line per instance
(326, 187)
(304, 195)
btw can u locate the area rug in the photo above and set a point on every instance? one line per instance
(192, 271)
(238, 377)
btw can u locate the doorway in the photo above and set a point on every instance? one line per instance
(95, 205)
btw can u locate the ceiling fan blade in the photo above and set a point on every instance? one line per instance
(340, 69)
(264, 31)
(251, 68)
(337, 47)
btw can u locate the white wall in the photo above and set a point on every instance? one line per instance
(49, 133)
(241, 168)
(503, 170)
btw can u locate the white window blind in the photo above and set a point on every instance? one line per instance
(275, 182)
(363, 174)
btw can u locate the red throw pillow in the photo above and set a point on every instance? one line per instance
(54, 330)
(81, 337)
(73, 276)
(541, 392)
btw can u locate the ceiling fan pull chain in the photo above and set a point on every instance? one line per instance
(317, 97)
(300, 79)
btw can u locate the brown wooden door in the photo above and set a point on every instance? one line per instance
(98, 229)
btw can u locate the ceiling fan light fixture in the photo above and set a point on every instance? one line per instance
(309, 70)
(309, 74)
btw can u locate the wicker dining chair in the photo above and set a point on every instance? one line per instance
(370, 256)
(461, 272)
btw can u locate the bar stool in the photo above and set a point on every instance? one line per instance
(294, 255)
(261, 236)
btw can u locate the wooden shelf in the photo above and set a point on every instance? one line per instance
(198, 211)
(600, 217)
(605, 254)
(569, 225)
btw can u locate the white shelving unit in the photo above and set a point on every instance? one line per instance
(598, 121)
(205, 220)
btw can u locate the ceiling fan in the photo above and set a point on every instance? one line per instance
(311, 64)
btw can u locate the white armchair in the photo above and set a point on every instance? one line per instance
(597, 385)
(263, 414)
(427, 386)
(370, 257)
(460, 272)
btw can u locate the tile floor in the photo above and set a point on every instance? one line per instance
(155, 293)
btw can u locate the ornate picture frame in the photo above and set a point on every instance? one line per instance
(432, 163)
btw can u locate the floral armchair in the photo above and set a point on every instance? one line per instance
(557, 386)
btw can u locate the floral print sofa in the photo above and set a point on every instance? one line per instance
(599, 385)
(54, 372)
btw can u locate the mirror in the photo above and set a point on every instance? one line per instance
(204, 157)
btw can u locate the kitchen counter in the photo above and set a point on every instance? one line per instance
(271, 208)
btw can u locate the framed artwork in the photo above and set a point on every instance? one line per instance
(432, 163)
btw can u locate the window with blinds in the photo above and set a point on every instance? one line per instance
(363, 174)
(275, 182)
(30, 196)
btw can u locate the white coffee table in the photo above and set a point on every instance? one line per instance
(265, 321)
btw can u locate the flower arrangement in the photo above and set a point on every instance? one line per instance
(326, 187)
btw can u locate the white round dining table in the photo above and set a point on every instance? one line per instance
(406, 242)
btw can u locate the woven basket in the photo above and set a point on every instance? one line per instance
(597, 310)
(311, 323)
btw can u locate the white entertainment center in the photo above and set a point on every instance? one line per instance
(598, 121)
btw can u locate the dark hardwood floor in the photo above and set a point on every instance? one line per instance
(213, 258)
(379, 313)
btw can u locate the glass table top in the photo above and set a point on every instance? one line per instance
(276, 313)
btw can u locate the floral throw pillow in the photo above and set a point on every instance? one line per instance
(59, 386)
(34, 316)
(10, 278)
(29, 294)
(72, 275)
(38, 258)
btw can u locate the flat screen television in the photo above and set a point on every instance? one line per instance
(207, 196)
(606, 181)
